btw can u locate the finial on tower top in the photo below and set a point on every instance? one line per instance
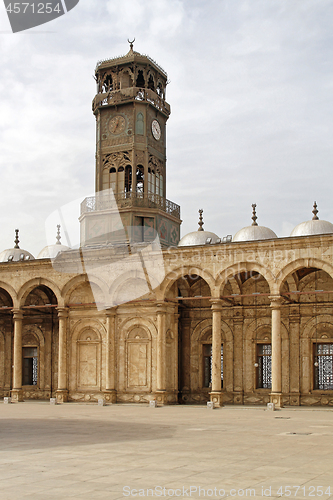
(201, 222)
(16, 241)
(315, 211)
(58, 235)
(131, 43)
(254, 215)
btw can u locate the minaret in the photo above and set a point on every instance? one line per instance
(131, 114)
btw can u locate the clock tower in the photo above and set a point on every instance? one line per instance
(131, 114)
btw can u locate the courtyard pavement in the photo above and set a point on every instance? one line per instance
(85, 451)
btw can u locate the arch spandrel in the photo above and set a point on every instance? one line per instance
(30, 285)
(75, 282)
(181, 272)
(299, 264)
(232, 271)
(11, 292)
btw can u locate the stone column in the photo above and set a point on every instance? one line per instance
(16, 392)
(276, 394)
(216, 394)
(110, 369)
(185, 368)
(238, 321)
(62, 391)
(161, 334)
(294, 346)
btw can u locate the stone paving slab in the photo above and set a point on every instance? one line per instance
(79, 451)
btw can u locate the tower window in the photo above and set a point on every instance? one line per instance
(112, 170)
(323, 373)
(140, 81)
(264, 368)
(128, 179)
(107, 84)
(140, 179)
(151, 84)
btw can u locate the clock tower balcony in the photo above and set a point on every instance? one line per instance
(104, 218)
(105, 201)
(131, 94)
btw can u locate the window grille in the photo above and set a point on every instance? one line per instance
(264, 369)
(323, 373)
(207, 358)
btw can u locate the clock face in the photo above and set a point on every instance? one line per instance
(156, 129)
(117, 125)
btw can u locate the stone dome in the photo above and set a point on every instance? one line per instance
(198, 237)
(15, 254)
(51, 251)
(313, 226)
(254, 232)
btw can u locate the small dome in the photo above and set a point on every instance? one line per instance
(15, 254)
(313, 226)
(198, 237)
(254, 232)
(51, 251)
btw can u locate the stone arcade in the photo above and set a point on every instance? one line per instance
(135, 314)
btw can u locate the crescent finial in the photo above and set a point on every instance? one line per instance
(131, 42)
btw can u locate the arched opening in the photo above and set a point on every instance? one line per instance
(194, 339)
(308, 295)
(246, 311)
(140, 81)
(40, 344)
(128, 179)
(113, 179)
(140, 180)
(107, 85)
(151, 84)
(6, 339)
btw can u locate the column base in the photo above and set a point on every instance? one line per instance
(276, 398)
(16, 395)
(238, 398)
(62, 396)
(216, 398)
(161, 397)
(110, 396)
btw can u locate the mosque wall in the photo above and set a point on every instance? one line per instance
(158, 345)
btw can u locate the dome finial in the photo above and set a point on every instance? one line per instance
(201, 222)
(254, 215)
(315, 211)
(58, 235)
(16, 241)
(131, 43)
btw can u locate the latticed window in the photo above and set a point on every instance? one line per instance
(323, 369)
(264, 368)
(30, 366)
(207, 365)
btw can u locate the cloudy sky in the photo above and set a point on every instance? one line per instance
(251, 94)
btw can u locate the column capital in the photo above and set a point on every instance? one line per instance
(111, 313)
(17, 314)
(216, 304)
(161, 307)
(276, 301)
(62, 312)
